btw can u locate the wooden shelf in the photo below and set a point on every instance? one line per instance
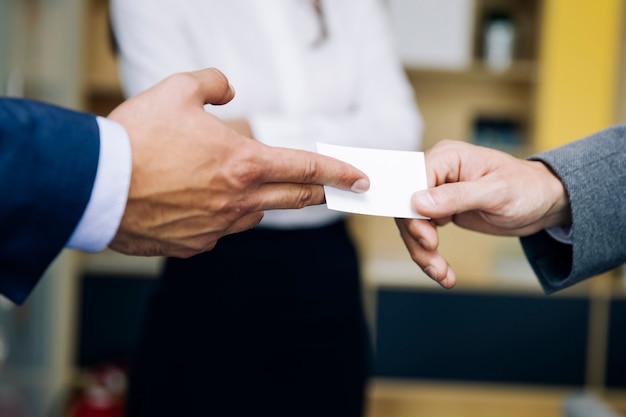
(113, 263)
(519, 72)
(101, 74)
(397, 398)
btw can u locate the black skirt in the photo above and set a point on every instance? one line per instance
(268, 323)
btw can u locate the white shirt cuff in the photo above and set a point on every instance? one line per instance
(106, 206)
(561, 234)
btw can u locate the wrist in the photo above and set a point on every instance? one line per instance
(559, 212)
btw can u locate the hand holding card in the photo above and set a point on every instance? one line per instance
(394, 177)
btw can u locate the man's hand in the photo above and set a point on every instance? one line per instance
(484, 190)
(194, 179)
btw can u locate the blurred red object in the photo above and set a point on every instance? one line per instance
(104, 396)
(98, 402)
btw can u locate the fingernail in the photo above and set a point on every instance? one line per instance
(232, 89)
(424, 199)
(361, 186)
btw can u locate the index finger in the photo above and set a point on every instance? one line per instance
(303, 167)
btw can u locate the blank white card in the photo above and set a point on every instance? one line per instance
(394, 177)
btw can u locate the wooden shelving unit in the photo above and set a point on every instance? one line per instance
(103, 89)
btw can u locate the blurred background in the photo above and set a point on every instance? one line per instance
(518, 75)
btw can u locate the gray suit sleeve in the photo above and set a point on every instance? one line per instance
(593, 170)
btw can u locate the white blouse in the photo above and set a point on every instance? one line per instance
(348, 90)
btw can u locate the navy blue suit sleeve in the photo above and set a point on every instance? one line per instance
(48, 164)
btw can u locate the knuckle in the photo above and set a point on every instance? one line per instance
(445, 144)
(184, 82)
(311, 171)
(245, 173)
(192, 249)
(304, 197)
(209, 245)
(185, 254)
(245, 170)
(415, 255)
(413, 228)
(200, 245)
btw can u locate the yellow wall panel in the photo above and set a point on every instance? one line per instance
(579, 58)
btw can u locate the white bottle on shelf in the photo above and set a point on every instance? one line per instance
(499, 39)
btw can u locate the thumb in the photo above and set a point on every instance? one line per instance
(214, 86)
(448, 199)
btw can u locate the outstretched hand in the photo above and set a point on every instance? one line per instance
(484, 190)
(194, 179)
